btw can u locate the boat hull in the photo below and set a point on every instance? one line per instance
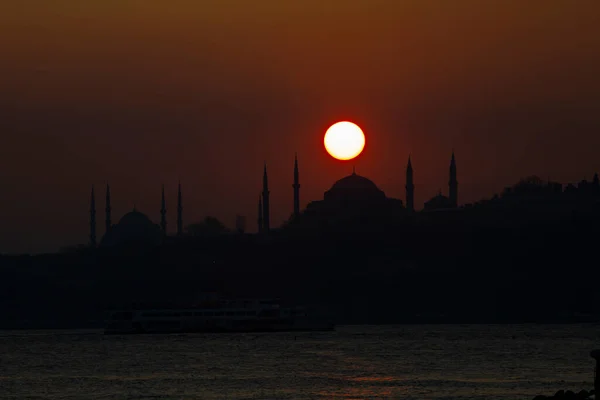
(250, 315)
(140, 328)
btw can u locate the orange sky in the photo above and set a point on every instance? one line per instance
(139, 93)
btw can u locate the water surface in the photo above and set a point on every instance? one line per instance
(358, 362)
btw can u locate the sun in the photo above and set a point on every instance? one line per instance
(344, 140)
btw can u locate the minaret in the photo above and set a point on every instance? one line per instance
(179, 212)
(410, 187)
(92, 219)
(453, 183)
(260, 214)
(265, 201)
(296, 187)
(108, 209)
(163, 213)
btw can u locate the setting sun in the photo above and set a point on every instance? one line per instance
(344, 140)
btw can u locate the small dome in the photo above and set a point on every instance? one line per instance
(439, 201)
(354, 182)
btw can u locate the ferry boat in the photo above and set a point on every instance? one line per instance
(221, 316)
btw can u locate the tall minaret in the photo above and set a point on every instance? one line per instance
(92, 219)
(453, 183)
(410, 187)
(108, 209)
(163, 213)
(296, 187)
(179, 212)
(265, 201)
(260, 214)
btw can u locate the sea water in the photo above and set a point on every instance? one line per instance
(354, 362)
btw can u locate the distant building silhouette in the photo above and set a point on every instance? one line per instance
(355, 195)
(108, 209)
(179, 211)
(589, 188)
(260, 214)
(296, 187)
(453, 183)
(353, 189)
(410, 187)
(92, 219)
(265, 202)
(133, 227)
(441, 202)
(240, 224)
(438, 202)
(163, 213)
(353, 199)
(209, 227)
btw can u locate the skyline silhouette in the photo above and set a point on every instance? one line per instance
(140, 95)
(164, 219)
(348, 193)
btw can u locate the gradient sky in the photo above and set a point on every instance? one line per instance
(140, 93)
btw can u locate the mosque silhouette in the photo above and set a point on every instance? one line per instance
(349, 198)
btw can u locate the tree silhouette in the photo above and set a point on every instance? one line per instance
(209, 227)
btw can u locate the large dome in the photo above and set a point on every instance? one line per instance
(135, 218)
(354, 182)
(354, 189)
(132, 227)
